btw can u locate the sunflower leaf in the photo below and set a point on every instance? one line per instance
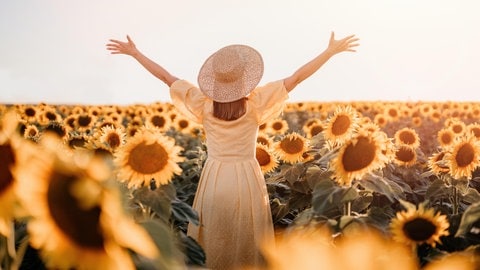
(437, 190)
(382, 186)
(469, 217)
(184, 212)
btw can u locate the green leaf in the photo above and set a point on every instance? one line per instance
(184, 212)
(382, 186)
(471, 196)
(469, 217)
(437, 190)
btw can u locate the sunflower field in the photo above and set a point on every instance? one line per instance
(352, 185)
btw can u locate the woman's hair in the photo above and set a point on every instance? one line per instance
(230, 111)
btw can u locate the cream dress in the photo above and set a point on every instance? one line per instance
(231, 198)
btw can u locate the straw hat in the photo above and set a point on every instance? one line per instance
(231, 73)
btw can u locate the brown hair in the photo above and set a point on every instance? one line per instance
(230, 111)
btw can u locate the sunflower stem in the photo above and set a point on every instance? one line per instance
(347, 208)
(455, 200)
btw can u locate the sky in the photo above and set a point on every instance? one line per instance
(53, 51)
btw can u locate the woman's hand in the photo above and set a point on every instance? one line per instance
(119, 47)
(346, 44)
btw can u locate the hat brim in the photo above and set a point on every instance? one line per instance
(231, 91)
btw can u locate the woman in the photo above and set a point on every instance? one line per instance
(232, 199)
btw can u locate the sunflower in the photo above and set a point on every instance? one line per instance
(417, 121)
(457, 126)
(392, 112)
(266, 158)
(159, 120)
(359, 156)
(407, 136)
(277, 126)
(418, 225)
(340, 127)
(445, 137)
(405, 156)
(183, 125)
(380, 120)
(464, 157)
(31, 132)
(309, 123)
(475, 129)
(313, 130)
(264, 139)
(28, 113)
(145, 156)
(291, 147)
(437, 164)
(108, 139)
(85, 122)
(76, 218)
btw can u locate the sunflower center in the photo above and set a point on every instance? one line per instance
(465, 155)
(51, 116)
(84, 120)
(358, 156)
(446, 138)
(393, 113)
(457, 128)
(7, 159)
(476, 132)
(30, 112)
(183, 124)
(407, 137)
(341, 125)
(277, 126)
(314, 130)
(113, 140)
(262, 141)
(57, 129)
(405, 154)
(158, 121)
(292, 146)
(262, 156)
(419, 229)
(79, 224)
(148, 159)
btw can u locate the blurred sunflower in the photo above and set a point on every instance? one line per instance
(405, 156)
(277, 126)
(407, 136)
(48, 114)
(76, 219)
(266, 158)
(145, 156)
(437, 164)
(464, 157)
(458, 260)
(309, 123)
(341, 125)
(418, 225)
(360, 155)
(9, 144)
(380, 120)
(392, 112)
(417, 121)
(85, 122)
(291, 147)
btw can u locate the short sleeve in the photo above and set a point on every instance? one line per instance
(188, 100)
(268, 100)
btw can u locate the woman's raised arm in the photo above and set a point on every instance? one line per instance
(346, 44)
(129, 48)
